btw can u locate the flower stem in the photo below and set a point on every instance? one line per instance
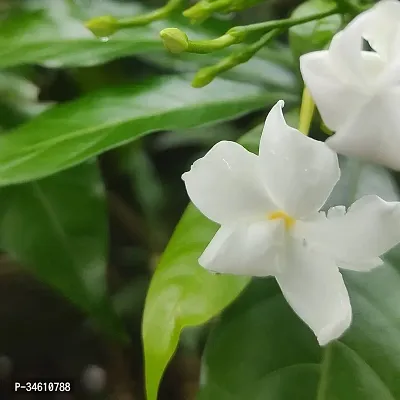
(155, 15)
(281, 24)
(207, 74)
(202, 10)
(306, 112)
(176, 41)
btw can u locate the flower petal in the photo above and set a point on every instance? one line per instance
(314, 288)
(362, 266)
(383, 29)
(373, 133)
(245, 249)
(343, 78)
(223, 184)
(336, 98)
(370, 227)
(299, 172)
(345, 52)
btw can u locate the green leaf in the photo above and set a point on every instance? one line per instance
(182, 294)
(261, 349)
(314, 35)
(57, 229)
(71, 133)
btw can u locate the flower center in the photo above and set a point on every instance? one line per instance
(289, 221)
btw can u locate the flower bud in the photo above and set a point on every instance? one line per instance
(103, 26)
(203, 78)
(174, 40)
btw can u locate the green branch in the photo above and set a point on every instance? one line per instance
(280, 24)
(207, 74)
(177, 41)
(204, 9)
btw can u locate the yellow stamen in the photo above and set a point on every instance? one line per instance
(289, 221)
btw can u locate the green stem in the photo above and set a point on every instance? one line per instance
(306, 112)
(325, 129)
(155, 15)
(203, 9)
(208, 46)
(280, 24)
(207, 74)
(176, 41)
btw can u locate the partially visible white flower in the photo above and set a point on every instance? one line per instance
(267, 207)
(358, 92)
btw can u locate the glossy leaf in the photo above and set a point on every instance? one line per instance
(316, 34)
(71, 133)
(57, 228)
(182, 294)
(260, 349)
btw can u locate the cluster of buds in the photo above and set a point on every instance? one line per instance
(177, 41)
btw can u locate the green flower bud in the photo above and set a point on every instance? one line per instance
(104, 26)
(174, 40)
(203, 77)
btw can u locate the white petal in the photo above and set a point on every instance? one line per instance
(245, 249)
(299, 172)
(383, 28)
(314, 288)
(362, 266)
(336, 212)
(337, 98)
(369, 229)
(372, 133)
(344, 78)
(223, 184)
(345, 54)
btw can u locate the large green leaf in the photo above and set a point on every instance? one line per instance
(182, 294)
(260, 349)
(51, 32)
(68, 134)
(57, 228)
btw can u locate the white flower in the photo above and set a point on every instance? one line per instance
(267, 207)
(358, 92)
